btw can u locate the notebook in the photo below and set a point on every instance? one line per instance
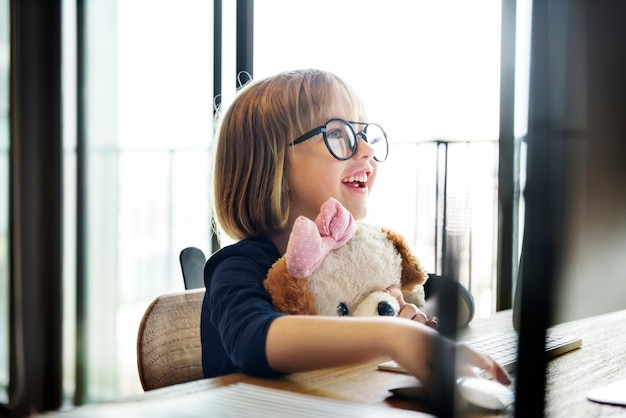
(240, 400)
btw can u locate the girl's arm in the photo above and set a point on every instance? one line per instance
(301, 343)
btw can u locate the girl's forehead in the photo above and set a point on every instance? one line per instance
(341, 107)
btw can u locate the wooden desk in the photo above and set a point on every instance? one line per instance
(601, 360)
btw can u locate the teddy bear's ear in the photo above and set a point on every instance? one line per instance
(289, 295)
(413, 273)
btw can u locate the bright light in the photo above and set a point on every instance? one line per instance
(426, 69)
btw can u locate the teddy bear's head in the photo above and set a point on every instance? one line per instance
(335, 266)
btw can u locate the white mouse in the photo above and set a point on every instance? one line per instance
(485, 393)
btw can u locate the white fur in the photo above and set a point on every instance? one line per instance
(366, 265)
(369, 305)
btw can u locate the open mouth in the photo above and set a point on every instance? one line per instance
(357, 181)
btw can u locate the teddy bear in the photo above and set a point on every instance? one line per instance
(336, 266)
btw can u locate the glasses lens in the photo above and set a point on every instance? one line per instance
(377, 138)
(340, 139)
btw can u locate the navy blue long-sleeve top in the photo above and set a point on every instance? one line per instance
(236, 310)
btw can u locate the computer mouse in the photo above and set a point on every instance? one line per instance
(485, 393)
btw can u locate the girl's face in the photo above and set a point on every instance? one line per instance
(314, 175)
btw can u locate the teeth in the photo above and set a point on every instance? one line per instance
(360, 178)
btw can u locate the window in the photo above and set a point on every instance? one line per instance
(148, 106)
(427, 70)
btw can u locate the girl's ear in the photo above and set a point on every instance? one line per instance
(289, 294)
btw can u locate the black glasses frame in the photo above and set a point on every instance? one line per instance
(322, 130)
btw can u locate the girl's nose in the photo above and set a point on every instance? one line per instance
(364, 149)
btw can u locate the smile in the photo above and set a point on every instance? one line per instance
(356, 181)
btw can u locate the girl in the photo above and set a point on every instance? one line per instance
(287, 144)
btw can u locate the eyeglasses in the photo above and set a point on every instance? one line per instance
(342, 141)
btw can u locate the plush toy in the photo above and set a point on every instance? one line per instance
(336, 266)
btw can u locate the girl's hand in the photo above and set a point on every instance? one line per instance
(411, 311)
(470, 360)
(417, 355)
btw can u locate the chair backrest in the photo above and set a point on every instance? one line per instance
(192, 261)
(168, 341)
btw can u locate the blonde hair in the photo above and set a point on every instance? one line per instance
(250, 193)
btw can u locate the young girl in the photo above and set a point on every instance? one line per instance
(286, 145)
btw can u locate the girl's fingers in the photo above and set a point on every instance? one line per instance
(412, 312)
(484, 362)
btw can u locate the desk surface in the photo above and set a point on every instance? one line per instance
(600, 361)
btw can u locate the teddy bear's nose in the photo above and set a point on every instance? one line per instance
(342, 309)
(385, 309)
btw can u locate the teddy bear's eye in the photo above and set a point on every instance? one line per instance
(385, 309)
(342, 309)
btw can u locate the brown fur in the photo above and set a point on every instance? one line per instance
(413, 274)
(289, 295)
(294, 297)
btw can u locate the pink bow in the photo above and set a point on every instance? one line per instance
(310, 241)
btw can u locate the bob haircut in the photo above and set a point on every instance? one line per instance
(250, 194)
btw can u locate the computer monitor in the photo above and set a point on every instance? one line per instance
(574, 251)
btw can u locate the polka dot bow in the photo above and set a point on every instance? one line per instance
(310, 242)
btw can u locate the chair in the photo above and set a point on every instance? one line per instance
(192, 261)
(168, 341)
